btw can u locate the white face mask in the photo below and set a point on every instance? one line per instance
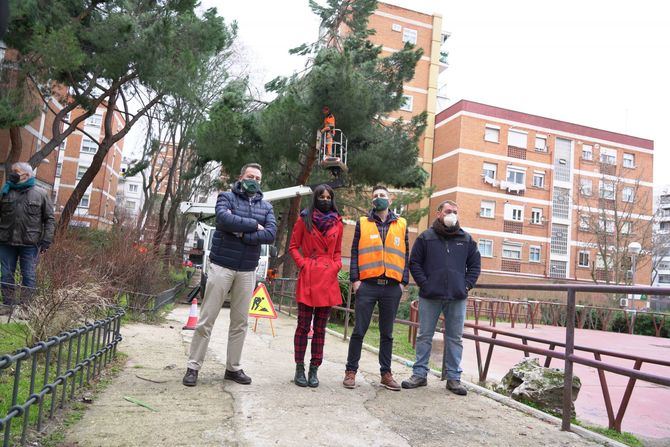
(450, 220)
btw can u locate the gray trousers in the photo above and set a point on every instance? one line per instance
(221, 282)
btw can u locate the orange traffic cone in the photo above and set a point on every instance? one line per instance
(192, 316)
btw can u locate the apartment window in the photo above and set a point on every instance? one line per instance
(607, 190)
(94, 120)
(607, 225)
(534, 254)
(536, 216)
(541, 143)
(59, 169)
(586, 186)
(514, 212)
(628, 160)
(559, 239)
(517, 139)
(408, 103)
(664, 226)
(511, 251)
(600, 262)
(409, 35)
(663, 266)
(587, 152)
(130, 205)
(492, 133)
(583, 259)
(81, 170)
(538, 179)
(664, 279)
(486, 248)
(515, 175)
(88, 146)
(608, 156)
(584, 222)
(489, 170)
(84, 202)
(487, 209)
(62, 145)
(133, 187)
(625, 227)
(627, 194)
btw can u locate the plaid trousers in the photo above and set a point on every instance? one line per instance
(305, 314)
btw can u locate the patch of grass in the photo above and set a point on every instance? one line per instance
(12, 337)
(401, 345)
(624, 437)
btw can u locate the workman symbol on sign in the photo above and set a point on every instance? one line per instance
(257, 302)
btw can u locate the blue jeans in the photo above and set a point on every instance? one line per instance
(454, 317)
(26, 256)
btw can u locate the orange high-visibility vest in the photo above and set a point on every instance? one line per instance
(329, 122)
(376, 259)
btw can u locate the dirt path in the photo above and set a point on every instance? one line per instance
(273, 411)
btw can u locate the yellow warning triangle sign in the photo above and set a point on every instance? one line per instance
(261, 305)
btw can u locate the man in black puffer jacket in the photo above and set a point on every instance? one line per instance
(445, 263)
(244, 222)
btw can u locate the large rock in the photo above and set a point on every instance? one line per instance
(528, 382)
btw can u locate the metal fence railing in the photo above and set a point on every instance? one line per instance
(56, 368)
(284, 289)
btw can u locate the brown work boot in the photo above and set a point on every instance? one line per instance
(349, 379)
(456, 387)
(389, 382)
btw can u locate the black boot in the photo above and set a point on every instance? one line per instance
(313, 381)
(299, 378)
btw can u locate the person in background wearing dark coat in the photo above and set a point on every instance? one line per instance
(316, 248)
(27, 227)
(445, 263)
(244, 222)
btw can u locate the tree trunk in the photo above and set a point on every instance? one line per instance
(289, 270)
(82, 185)
(16, 144)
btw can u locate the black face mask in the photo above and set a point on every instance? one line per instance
(14, 177)
(323, 205)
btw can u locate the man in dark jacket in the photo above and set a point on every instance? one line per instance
(445, 263)
(244, 222)
(26, 228)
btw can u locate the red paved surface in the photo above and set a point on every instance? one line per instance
(647, 414)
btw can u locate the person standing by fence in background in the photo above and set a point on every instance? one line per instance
(27, 227)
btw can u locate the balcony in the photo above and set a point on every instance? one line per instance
(602, 275)
(511, 226)
(607, 168)
(516, 152)
(509, 265)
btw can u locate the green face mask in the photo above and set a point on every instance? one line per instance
(380, 204)
(250, 186)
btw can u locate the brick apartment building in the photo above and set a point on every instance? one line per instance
(529, 189)
(97, 206)
(34, 134)
(394, 26)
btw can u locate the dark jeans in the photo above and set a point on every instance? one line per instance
(26, 256)
(387, 298)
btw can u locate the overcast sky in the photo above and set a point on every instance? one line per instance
(599, 63)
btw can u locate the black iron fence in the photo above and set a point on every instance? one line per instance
(55, 369)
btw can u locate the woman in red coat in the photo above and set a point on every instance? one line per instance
(316, 247)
